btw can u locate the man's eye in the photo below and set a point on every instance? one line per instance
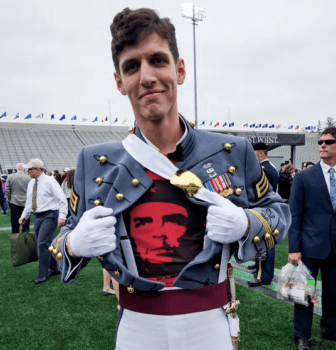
(131, 67)
(158, 60)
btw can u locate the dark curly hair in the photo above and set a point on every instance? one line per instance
(129, 27)
(331, 130)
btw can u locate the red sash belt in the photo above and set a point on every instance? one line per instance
(176, 301)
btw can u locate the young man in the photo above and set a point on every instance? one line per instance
(312, 236)
(154, 225)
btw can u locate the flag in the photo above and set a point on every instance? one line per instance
(210, 123)
(39, 116)
(265, 126)
(246, 125)
(217, 124)
(63, 117)
(271, 126)
(52, 117)
(84, 120)
(106, 119)
(203, 122)
(313, 127)
(297, 127)
(95, 120)
(278, 126)
(74, 118)
(4, 115)
(28, 116)
(224, 124)
(17, 116)
(124, 121)
(231, 124)
(258, 126)
(116, 119)
(252, 125)
(307, 128)
(290, 127)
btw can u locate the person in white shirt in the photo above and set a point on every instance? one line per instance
(46, 200)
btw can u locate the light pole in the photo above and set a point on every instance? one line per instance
(195, 14)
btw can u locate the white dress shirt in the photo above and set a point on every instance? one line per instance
(49, 197)
(325, 168)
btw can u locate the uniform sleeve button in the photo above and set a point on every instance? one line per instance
(120, 196)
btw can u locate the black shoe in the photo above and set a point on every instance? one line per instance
(40, 280)
(302, 344)
(252, 267)
(256, 283)
(53, 273)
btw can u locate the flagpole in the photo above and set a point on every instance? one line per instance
(228, 117)
(110, 113)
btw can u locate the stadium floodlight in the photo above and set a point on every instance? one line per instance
(196, 14)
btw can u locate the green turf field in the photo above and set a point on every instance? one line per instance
(51, 316)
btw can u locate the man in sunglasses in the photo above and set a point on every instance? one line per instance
(312, 236)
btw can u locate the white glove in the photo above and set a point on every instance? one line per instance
(226, 224)
(94, 234)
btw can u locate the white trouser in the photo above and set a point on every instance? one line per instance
(195, 331)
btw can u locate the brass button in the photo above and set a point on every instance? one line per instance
(130, 289)
(227, 147)
(117, 273)
(232, 169)
(59, 256)
(256, 239)
(135, 182)
(216, 267)
(192, 124)
(97, 202)
(131, 130)
(267, 236)
(99, 181)
(100, 257)
(276, 233)
(55, 251)
(120, 196)
(51, 248)
(103, 159)
(238, 191)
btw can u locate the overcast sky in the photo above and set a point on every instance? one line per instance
(260, 61)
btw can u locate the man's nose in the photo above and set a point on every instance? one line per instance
(147, 75)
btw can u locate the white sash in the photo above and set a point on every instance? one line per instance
(156, 162)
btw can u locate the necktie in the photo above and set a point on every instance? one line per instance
(34, 205)
(332, 187)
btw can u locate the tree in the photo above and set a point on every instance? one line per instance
(330, 122)
(319, 127)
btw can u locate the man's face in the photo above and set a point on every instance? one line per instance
(156, 229)
(34, 173)
(328, 152)
(149, 76)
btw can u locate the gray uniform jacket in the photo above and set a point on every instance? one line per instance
(16, 188)
(118, 173)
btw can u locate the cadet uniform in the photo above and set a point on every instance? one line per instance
(107, 175)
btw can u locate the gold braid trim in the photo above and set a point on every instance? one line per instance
(268, 235)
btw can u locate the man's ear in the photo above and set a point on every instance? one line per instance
(181, 72)
(120, 85)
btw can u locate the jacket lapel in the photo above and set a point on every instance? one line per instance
(320, 181)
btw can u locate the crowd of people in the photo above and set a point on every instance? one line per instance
(166, 208)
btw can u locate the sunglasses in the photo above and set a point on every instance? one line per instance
(29, 169)
(327, 142)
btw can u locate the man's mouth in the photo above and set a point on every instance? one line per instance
(151, 93)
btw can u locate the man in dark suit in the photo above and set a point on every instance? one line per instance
(312, 236)
(264, 267)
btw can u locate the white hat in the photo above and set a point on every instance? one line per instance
(35, 163)
(66, 169)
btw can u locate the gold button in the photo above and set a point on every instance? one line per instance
(120, 196)
(51, 248)
(276, 233)
(192, 124)
(232, 169)
(267, 236)
(227, 147)
(135, 182)
(238, 191)
(55, 251)
(117, 273)
(130, 289)
(99, 180)
(97, 202)
(100, 257)
(256, 239)
(131, 130)
(216, 267)
(59, 256)
(103, 159)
